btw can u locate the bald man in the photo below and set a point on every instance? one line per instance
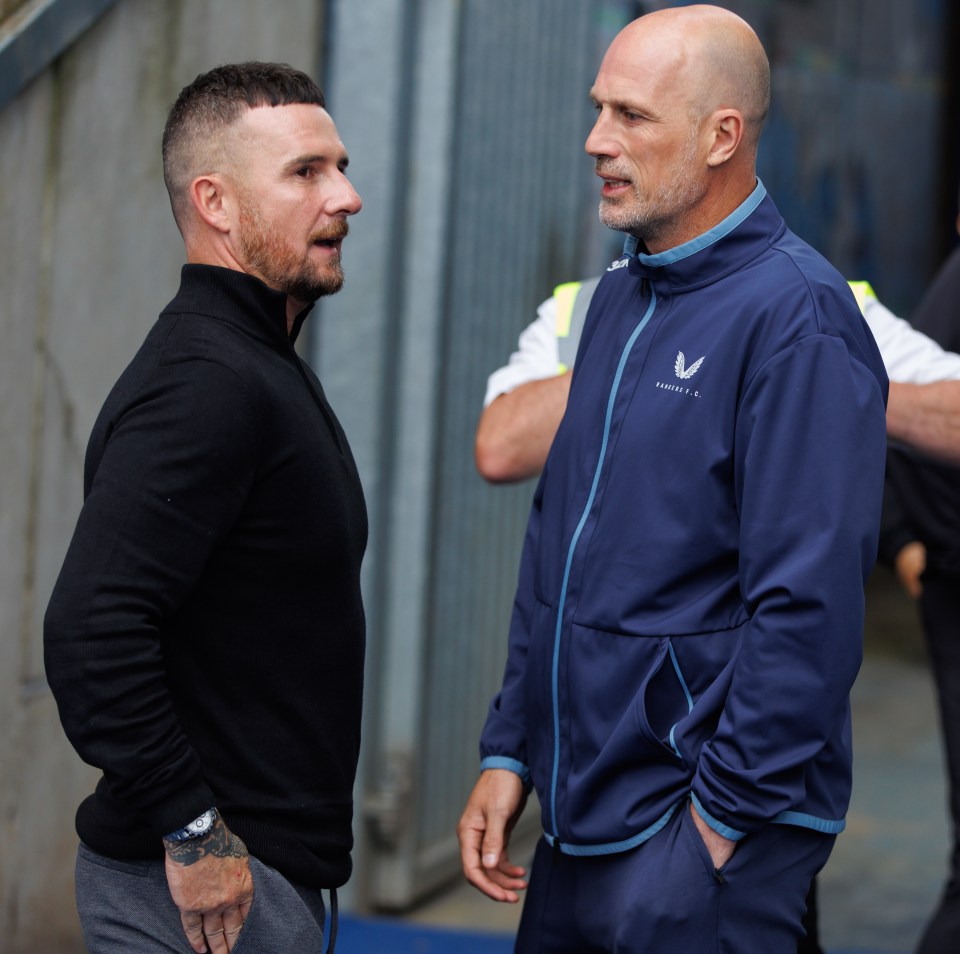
(689, 611)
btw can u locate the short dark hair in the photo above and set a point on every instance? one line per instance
(214, 101)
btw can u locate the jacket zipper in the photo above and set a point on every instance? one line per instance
(625, 354)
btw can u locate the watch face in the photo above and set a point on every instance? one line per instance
(204, 823)
(197, 828)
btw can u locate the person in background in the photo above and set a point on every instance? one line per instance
(927, 417)
(689, 611)
(920, 538)
(205, 638)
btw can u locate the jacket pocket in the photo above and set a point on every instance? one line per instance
(700, 667)
(663, 700)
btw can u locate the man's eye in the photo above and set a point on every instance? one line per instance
(305, 172)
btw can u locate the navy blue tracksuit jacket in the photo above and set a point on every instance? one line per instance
(689, 614)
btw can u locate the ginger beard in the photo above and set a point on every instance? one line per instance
(655, 209)
(271, 257)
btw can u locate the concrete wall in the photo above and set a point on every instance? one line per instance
(88, 256)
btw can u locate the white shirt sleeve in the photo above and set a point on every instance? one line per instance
(909, 356)
(537, 356)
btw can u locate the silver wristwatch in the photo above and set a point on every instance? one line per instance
(197, 828)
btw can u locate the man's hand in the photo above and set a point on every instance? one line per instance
(910, 563)
(721, 849)
(211, 884)
(492, 810)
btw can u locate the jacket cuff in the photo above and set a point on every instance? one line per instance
(718, 826)
(511, 765)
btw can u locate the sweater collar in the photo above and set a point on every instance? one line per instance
(237, 298)
(714, 252)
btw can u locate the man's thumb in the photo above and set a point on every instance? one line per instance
(491, 852)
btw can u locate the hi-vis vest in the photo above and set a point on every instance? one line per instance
(863, 293)
(573, 302)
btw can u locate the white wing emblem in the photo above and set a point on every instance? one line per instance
(682, 371)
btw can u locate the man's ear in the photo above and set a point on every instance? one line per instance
(726, 132)
(211, 199)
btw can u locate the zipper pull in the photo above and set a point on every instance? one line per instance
(557, 852)
(644, 287)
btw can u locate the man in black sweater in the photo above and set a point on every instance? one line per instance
(205, 638)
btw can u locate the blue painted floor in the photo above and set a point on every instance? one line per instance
(384, 936)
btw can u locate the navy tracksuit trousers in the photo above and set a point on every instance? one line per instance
(665, 897)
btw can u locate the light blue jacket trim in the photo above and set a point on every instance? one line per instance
(671, 255)
(614, 847)
(511, 765)
(686, 692)
(823, 825)
(826, 826)
(717, 825)
(673, 742)
(683, 682)
(627, 348)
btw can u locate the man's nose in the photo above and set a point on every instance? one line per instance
(600, 142)
(345, 201)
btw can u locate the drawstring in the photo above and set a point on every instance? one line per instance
(332, 945)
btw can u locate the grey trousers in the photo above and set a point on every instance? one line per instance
(125, 908)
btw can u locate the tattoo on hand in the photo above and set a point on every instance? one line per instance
(221, 843)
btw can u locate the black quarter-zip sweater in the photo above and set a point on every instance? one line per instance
(205, 638)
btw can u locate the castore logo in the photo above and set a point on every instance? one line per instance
(682, 371)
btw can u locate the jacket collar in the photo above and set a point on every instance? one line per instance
(238, 299)
(719, 250)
